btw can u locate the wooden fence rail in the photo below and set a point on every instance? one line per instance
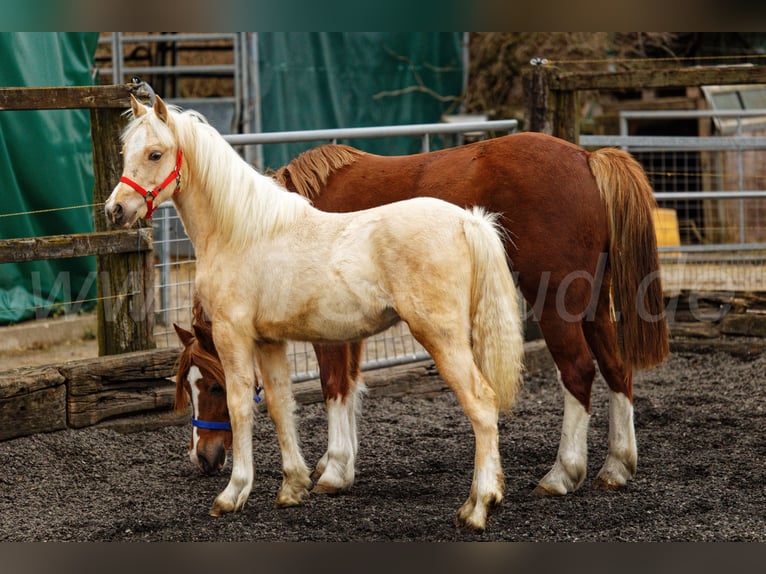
(552, 92)
(76, 245)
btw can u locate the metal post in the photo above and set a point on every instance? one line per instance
(117, 58)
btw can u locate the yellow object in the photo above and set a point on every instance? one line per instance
(666, 228)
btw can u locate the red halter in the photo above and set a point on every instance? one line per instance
(150, 196)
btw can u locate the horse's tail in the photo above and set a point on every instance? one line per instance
(496, 334)
(633, 257)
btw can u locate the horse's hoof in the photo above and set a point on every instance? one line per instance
(328, 489)
(217, 510)
(544, 491)
(602, 483)
(465, 522)
(293, 499)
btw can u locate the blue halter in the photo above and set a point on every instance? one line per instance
(214, 425)
(211, 425)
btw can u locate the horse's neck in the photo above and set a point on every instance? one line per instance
(191, 207)
(198, 203)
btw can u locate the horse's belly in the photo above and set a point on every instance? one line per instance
(330, 325)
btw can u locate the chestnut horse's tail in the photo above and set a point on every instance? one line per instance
(496, 334)
(634, 261)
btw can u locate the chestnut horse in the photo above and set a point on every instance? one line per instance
(272, 268)
(580, 240)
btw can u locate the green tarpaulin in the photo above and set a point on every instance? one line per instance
(320, 80)
(45, 164)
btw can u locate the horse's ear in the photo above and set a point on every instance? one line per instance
(137, 107)
(204, 334)
(198, 312)
(186, 336)
(282, 177)
(160, 109)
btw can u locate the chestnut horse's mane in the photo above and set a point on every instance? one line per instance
(197, 354)
(307, 174)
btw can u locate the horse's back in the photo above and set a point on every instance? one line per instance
(541, 185)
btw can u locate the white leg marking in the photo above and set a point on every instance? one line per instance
(338, 473)
(568, 472)
(194, 375)
(336, 468)
(621, 461)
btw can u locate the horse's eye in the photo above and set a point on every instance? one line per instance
(155, 156)
(216, 389)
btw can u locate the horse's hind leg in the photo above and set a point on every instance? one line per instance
(459, 371)
(622, 458)
(566, 342)
(339, 367)
(275, 371)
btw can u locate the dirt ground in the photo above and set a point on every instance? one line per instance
(700, 421)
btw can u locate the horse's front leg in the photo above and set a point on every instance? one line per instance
(236, 353)
(277, 387)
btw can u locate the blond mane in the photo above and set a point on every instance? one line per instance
(307, 174)
(245, 204)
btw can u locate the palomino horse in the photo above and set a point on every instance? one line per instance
(579, 237)
(271, 268)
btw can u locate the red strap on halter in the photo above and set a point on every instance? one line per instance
(150, 196)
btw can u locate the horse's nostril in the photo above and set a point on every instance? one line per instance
(115, 213)
(212, 462)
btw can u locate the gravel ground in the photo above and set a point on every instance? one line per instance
(702, 447)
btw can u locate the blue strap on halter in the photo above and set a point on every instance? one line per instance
(213, 425)
(210, 425)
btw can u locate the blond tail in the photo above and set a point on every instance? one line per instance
(496, 334)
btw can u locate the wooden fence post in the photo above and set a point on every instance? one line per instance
(566, 116)
(551, 110)
(536, 88)
(125, 280)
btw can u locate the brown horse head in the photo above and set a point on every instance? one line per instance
(200, 381)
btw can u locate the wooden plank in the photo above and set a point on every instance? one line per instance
(746, 348)
(696, 329)
(87, 410)
(77, 245)
(657, 78)
(63, 98)
(748, 324)
(32, 400)
(89, 376)
(117, 385)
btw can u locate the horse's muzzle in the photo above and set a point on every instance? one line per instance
(211, 460)
(115, 214)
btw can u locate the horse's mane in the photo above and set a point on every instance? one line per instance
(308, 173)
(245, 204)
(197, 354)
